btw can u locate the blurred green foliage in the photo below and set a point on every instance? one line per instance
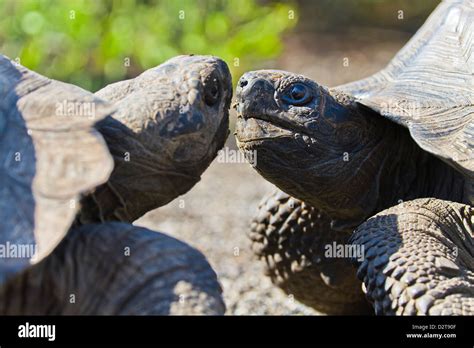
(94, 42)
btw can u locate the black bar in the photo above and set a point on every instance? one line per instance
(256, 330)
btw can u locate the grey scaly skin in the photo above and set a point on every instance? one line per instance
(419, 258)
(291, 237)
(158, 133)
(383, 145)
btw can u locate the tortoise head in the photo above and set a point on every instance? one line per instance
(190, 109)
(169, 125)
(303, 140)
(177, 110)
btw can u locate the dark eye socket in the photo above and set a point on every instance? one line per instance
(297, 94)
(212, 90)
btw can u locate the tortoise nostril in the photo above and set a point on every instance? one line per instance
(243, 83)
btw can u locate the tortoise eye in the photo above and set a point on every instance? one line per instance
(212, 90)
(297, 94)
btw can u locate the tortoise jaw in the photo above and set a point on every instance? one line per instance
(250, 129)
(252, 126)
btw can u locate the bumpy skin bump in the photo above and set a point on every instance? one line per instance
(170, 122)
(419, 258)
(291, 236)
(115, 269)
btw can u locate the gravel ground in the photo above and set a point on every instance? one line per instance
(215, 215)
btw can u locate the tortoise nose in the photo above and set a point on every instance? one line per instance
(250, 86)
(243, 84)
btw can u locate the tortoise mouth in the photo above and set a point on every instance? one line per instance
(252, 129)
(258, 128)
(256, 123)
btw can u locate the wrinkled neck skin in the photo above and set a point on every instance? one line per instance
(384, 168)
(400, 171)
(146, 173)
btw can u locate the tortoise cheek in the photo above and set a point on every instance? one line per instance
(185, 124)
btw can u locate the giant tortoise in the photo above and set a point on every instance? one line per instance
(77, 169)
(378, 172)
